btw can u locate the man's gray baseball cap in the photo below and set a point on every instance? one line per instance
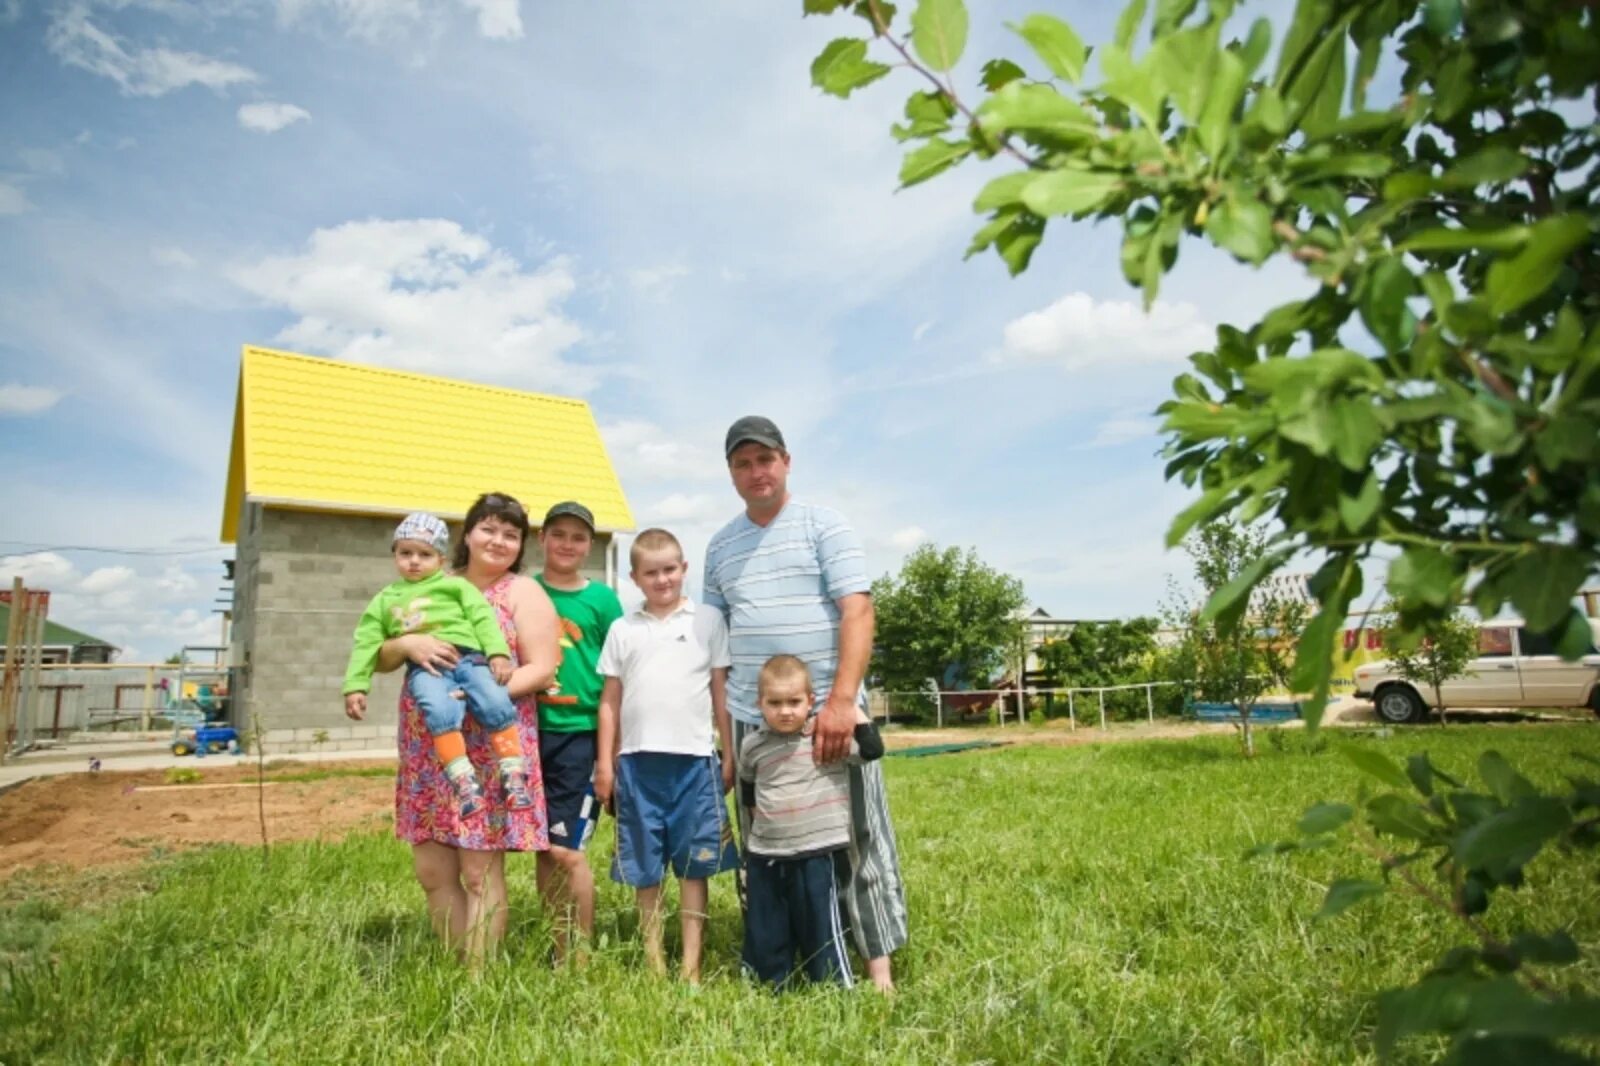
(753, 428)
(570, 508)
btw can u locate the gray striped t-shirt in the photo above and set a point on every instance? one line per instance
(777, 586)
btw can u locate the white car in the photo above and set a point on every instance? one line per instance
(1514, 668)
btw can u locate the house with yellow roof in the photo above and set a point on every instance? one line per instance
(327, 456)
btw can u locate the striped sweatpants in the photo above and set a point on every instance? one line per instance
(875, 899)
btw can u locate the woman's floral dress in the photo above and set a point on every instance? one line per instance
(424, 802)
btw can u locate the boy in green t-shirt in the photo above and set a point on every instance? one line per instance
(569, 717)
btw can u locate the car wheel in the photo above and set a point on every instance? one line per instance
(1399, 705)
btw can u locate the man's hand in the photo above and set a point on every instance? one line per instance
(605, 782)
(727, 773)
(355, 705)
(500, 667)
(836, 722)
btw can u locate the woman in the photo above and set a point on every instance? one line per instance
(461, 866)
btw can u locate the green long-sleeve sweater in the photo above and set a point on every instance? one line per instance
(450, 608)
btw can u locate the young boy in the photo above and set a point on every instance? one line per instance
(568, 714)
(426, 600)
(664, 703)
(796, 853)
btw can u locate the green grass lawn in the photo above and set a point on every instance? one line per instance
(1082, 904)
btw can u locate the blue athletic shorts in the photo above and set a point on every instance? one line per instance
(567, 762)
(670, 810)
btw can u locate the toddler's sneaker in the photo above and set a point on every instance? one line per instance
(469, 797)
(514, 783)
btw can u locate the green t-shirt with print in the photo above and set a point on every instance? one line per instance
(572, 705)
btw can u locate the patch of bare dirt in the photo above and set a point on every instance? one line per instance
(112, 818)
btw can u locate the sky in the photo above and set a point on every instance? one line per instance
(647, 206)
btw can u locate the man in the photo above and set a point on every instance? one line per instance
(791, 579)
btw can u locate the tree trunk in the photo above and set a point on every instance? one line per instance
(1438, 701)
(1244, 728)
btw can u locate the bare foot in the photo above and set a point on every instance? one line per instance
(657, 961)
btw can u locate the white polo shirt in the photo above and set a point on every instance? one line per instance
(665, 667)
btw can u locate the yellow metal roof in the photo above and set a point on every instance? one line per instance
(320, 434)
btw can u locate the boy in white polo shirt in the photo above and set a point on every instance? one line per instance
(662, 710)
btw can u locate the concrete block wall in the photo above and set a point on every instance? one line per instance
(301, 581)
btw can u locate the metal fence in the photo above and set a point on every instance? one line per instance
(942, 706)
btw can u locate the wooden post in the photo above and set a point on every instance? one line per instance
(28, 715)
(1072, 712)
(11, 682)
(1150, 703)
(149, 698)
(1102, 709)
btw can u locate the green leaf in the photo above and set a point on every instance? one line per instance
(932, 158)
(1557, 949)
(1227, 89)
(1038, 108)
(822, 7)
(1375, 764)
(1207, 505)
(1346, 893)
(1513, 836)
(939, 32)
(1424, 575)
(1400, 817)
(1386, 288)
(1056, 44)
(1003, 191)
(1442, 239)
(927, 115)
(1543, 582)
(1243, 227)
(1420, 770)
(1357, 432)
(1358, 510)
(1000, 72)
(1256, 45)
(1513, 282)
(1128, 24)
(1069, 192)
(1574, 638)
(1016, 244)
(1325, 818)
(1488, 166)
(1503, 780)
(1171, 13)
(1441, 16)
(843, 67)
(1313, 660)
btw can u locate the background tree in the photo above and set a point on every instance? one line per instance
(1439, 653)
(947, 616)
(1437, 391)
(1242, 653)
(1106, 654)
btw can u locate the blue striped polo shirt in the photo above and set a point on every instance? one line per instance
(777, 585)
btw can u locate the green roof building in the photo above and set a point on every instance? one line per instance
(62, 644)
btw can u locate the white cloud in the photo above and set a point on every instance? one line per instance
(13, 201)
(908, 538)
(384, 20)
(173, 256)
(683, 506)
(270, 117)
(78, 42)
(644, 451)
(655, 283)
(424, 294)
(144, 611)
(1078, 330)
(922, 330)
(499, 20)
(107, 579)
(1121, 429)
(27, 399)
(43, 161)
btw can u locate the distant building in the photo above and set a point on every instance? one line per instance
(327, 456)
(62, 644)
